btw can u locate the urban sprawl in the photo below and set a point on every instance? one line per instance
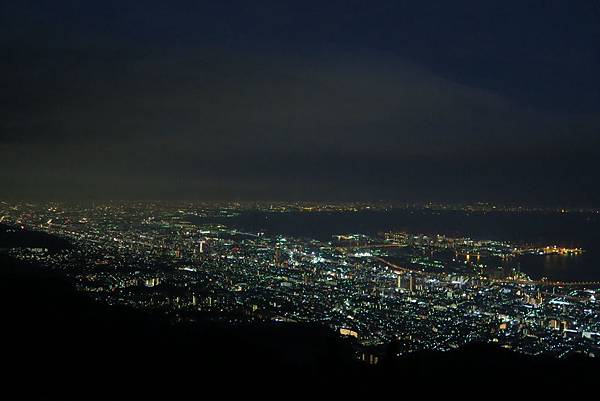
(421, 291)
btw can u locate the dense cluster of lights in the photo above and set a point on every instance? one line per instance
(427, 292)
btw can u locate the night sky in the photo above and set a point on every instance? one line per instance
(274, 100)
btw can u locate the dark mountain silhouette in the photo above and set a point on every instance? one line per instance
(17, 237)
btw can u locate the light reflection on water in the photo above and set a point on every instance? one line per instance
(560, 267)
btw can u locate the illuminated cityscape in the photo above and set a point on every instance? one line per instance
(424, 291)
(265, 198)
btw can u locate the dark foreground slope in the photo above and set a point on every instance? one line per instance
(57, 339)
(60, 343)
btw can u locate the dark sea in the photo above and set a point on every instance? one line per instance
(534, 228)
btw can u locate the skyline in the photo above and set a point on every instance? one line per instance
(423, 279)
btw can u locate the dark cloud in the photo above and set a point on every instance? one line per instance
(107, 111)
